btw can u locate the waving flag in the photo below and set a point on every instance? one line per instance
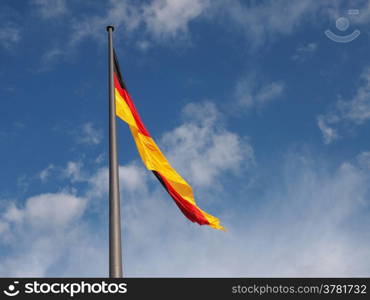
(153, 158)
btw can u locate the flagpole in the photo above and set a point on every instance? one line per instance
(115, 253)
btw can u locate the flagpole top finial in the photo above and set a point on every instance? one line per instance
(110, 27)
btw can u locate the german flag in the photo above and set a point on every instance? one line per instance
(154, 160)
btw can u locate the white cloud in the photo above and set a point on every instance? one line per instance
(50, 58)
(23, 182)
(19, 125)
(122, 14)
(364, 159)
(85, 134)
(355, 111)
(267, 20)
(9, 36)
(298, 231)
(160, 19)
(165, 21)
(41, 232)
(364, 16)
(202, 149)
(45, 173)
(90, 135)
(269, 92)
(263, 22)
(99, 183)
(13, 214)
(100, 158)
(303, 52)
(143, 45)
(248, 94)
(3, 227)
(46, 210)
(329, 134)
(50, 8)
(132, 178)
(166, 18)
(73, 171)
(53, 210)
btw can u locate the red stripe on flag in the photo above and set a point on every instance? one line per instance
(125, 95)
(192, 212)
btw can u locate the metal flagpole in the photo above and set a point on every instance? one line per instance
(115, 255)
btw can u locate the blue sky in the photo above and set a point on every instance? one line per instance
(262, 113)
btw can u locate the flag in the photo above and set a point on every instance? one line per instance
(154, 160)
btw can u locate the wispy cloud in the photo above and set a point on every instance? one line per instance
(123, 14)
(165, 22)
(9, 36)
(202, 148)
(48, 9)
(307, 210)
(45, 173)
(23, 182)
(73, 171)
(304, 52)
(50, 58)
(133, 178)
(364, 159)
(89, 135)
(166, 18)
(355, 111)
(265, 21)
(41, 232)
(249, 94)
(329, 134)
(160, 19)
